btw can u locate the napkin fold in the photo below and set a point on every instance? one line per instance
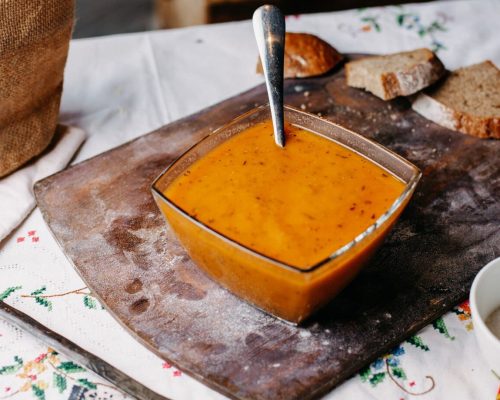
(17, 199)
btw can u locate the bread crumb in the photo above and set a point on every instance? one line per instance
(303, 106)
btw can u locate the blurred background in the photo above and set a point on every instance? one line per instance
(105, 17)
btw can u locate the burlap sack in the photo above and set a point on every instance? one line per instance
(34, 38)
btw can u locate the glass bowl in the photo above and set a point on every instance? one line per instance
(285, 291)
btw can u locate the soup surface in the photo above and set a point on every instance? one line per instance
(296, 204)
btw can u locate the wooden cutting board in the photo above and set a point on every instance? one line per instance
(103, 215)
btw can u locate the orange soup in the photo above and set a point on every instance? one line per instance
(296, 204)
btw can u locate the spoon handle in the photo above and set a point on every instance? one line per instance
(269, 30)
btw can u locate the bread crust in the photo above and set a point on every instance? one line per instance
(441, 105)
(307, 55)
(405, 82)
(482, 127)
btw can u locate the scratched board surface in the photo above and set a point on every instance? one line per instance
(103, 215)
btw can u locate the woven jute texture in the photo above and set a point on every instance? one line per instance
(34, 39)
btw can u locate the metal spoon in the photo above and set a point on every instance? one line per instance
(269, 30)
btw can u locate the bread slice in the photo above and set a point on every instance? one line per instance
(307, 55)
(399, 74)
(467, 101)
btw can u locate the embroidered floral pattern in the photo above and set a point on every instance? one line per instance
(7, 292)
(441, 327)
(49, 371)
(412, 22)
(463, 313)
(31, 236)
(43, 299)
(418, 343)
(372, 20)
(389, 366)
(175, 372)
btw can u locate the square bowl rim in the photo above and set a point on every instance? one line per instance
(407, 192)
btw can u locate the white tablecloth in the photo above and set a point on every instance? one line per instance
(119, 87)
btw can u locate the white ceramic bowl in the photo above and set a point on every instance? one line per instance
(484, 298)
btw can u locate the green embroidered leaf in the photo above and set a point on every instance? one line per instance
(86, 383)
(440, 326)
(60, 382)
(377, 27)
(39, 291)
(38, 392)
(365, 373)
(12, 369)
(44, 302)
(89, 302)
(70, 367)
(437, 46)
(436, 26)
(377, 378)
(418, 342)
(398, 372)
(7, 292)
(400, 19)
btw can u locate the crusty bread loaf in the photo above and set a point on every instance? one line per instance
(307, 55)
(392, 75)
(467, 101)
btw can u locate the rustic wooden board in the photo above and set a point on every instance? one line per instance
(103, 215)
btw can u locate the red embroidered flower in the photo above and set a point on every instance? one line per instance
(31, 233)
(465, 306)
(177, 373)
(166, 365)
(20, 239)
(35, 239)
